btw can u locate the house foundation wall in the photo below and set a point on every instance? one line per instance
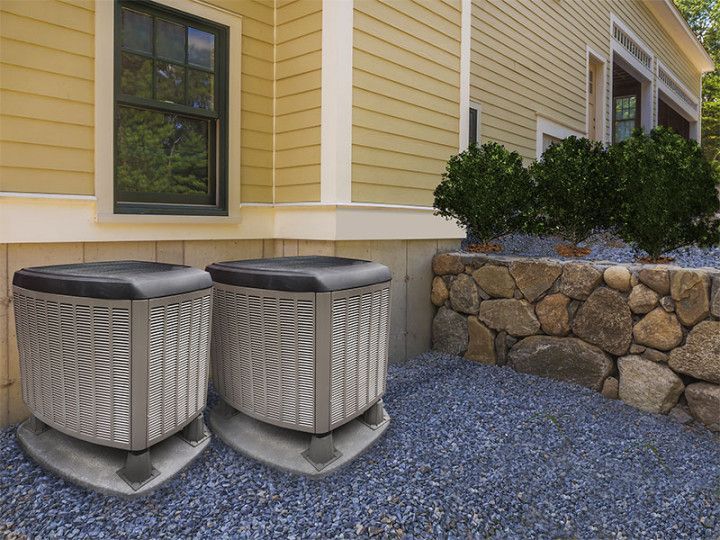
(409, 261)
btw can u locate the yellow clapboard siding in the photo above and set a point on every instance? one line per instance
(299, 137)
(46, 157)
(297, 10)
(256, 193)
(295, 157)
(305, 174)
(28, 180)
(297, 84)
(257, 158)
(55, 13)
(406, 78)
(298, 64)
(299, 27)
(46, 108)
(27, 130)
(298, 120)
(42, 83)
(47, 35)
(29, 55)
(298, 193)
(297, 102)
(304, 44)
(370, 193)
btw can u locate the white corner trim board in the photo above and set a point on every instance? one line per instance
(465, 49)
(336, 101)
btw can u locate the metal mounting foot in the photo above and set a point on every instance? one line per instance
(36, 425)
(194, 433)
(322, 451)
(374, 417)
(138, 469)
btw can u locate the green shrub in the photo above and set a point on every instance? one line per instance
(669, 192)
(577, 193)
(486, 189)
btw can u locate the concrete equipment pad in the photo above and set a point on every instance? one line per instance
(284, 448)
(96, 467)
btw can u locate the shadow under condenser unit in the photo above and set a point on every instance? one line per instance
(114, 353)
(301, 342)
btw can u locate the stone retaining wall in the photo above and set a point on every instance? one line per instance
(647, 334)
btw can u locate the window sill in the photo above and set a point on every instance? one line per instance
(166, 219)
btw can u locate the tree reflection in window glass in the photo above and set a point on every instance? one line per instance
(160, 152)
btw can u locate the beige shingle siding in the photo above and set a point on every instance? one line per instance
(529, 59)
(406, 76)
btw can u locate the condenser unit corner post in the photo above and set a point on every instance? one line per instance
(300, 350)
(114, 359)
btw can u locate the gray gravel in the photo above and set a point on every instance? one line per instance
(604, 247)
(473, 451)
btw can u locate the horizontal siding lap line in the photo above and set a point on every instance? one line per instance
(402, 31)
(441, 146)
(416, 122)
(449, 101)
(398, 46)
(54, 73)
(409, 15)
(299, 74)
(537, 78)
(406, 67)
(46, 169)
(76, 6)
(425, 7)
(511, 91)
(4, 9)
(400, 169)
(302, 54)
(35, 94)
(314, 107)
(298, 18)
(41, 46)
(45, 120)
(452, 117)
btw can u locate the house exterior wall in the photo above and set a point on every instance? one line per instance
(529, 59)
(406, 87)
(298, 40)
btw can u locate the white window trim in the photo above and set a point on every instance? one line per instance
(549, 127)
(592, 54)
(692, 115)
(104, 107)
(478, 122)
(648, 112)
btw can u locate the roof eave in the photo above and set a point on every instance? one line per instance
(675, 25)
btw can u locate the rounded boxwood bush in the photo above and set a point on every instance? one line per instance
(577, 192)
(485, 189)
(669, 192)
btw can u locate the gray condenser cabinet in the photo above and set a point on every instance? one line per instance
(114, 353)
(301, 342)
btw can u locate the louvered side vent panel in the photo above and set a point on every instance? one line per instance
(359, 352)
(179, 342)
(75, 365)
(263, 354)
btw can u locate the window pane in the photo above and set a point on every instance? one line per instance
(136, 75)
(201, 48)
(201, 89)
(162, 153)
(623, 130)
(170, 83)
(137, 31)
(171, 41)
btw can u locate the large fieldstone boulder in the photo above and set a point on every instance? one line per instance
(464, 295)
(516, 317)
(700, 356)
(495, 280)
(691, 291)
(552, 312)
(564, 359)
(579, 280)
(647, 385)
(481, 346)
(618, 278)
(659, 330)
(533, 278)
(605, 320)
(642, 299)
(715, 297)
(658, 279)
(439, 293)
(704, 403)
(450, 332)
(447, 263)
